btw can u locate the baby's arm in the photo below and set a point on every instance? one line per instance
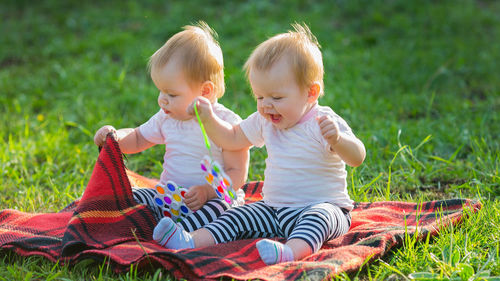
(130, 140)
(236, 166)
(348, 147)
(225, 135)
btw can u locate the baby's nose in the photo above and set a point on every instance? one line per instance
(162, 100)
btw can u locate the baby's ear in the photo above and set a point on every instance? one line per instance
(313, 93)
(208, 89)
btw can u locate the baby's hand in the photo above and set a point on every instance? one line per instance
(197, 196)
(329, 129)
(100, 135)
(204, 107)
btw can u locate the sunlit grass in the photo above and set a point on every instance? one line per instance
(417, 82)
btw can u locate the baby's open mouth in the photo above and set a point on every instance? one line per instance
(275, 118)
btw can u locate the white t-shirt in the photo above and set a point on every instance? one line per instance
(300, 168)
(184, 145)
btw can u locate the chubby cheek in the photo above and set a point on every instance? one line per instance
(184, 105)
(181, 108)
(260, 109)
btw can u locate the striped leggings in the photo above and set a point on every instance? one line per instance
(314, 224)
(208, 213)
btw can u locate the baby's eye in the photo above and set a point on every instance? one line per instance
(165, 93)
(276, 98)
(170, 95)
(260, 98)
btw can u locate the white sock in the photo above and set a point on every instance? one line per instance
(171, 236)
(272, 252)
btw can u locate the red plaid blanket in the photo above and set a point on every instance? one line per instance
(106, 224)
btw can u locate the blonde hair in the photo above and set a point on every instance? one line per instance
(301, 48)
(199, 52)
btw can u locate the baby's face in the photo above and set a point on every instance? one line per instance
(176, 93)
(279, 97)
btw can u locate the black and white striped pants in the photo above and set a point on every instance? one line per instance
(314, 224)
(208, 213)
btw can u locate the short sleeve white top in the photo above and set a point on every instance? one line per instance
(300, 168)
(184, 145)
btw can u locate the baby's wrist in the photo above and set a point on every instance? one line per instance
(335, 142)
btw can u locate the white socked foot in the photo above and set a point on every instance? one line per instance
(273, 252)
(171, 236)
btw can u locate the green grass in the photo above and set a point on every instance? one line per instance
(416, 80)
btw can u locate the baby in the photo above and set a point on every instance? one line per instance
(305, 198)
(187, 66)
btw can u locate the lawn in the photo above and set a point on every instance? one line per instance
(418, 81)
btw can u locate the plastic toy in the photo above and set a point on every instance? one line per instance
(170, 198)
(216, 177)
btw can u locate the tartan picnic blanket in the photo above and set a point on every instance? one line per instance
(107, 224)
